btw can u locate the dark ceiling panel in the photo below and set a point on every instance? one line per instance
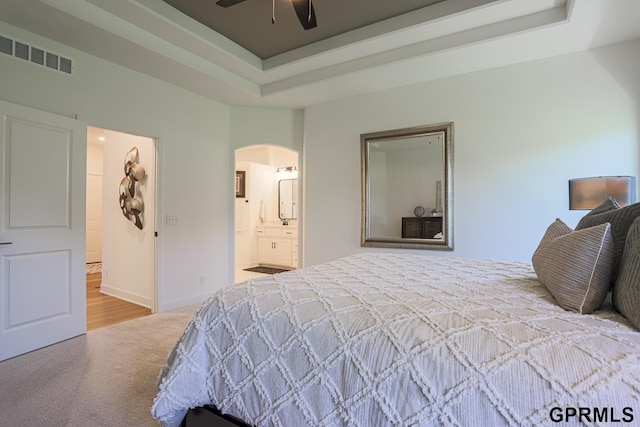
(249, 23)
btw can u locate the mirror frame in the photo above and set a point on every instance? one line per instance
(446, 244)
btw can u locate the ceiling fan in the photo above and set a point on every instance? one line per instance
(303, 8)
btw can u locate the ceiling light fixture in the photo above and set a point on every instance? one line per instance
(287, 172)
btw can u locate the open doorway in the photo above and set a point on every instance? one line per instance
(121, 281)
(266, 211)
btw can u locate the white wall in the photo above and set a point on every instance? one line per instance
(128, 261)
(258, 189)
(94, 199)
(94, 159)
(264, 182)
(520, 133)
(195, 172)
(266, 126)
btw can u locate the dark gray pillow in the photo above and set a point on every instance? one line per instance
(620, 220)
(626, 292)
(608, 205)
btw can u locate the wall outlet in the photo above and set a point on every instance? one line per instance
(203, 281)
(172, 220)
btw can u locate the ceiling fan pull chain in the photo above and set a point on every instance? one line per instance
(309, 17)
(273, 11)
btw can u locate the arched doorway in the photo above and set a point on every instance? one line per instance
(266, 210)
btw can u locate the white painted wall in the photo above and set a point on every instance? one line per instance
(521, 132)
(193, 150)
(266, 126)
(94, 200)
(259, 178)
(128, 261)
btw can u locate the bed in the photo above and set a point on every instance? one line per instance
(378, 339)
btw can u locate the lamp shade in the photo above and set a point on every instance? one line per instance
(587, 193)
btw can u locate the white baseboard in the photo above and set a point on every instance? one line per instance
(127, 296)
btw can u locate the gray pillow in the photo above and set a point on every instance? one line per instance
(620, 219)
(626, 292)
(575, 266)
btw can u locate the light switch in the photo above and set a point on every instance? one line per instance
(172, 220)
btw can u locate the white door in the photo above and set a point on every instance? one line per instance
(42, 229)
(94, 218)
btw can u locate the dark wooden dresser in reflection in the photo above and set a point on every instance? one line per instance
(424, 227)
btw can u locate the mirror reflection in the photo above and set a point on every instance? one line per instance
(288, 199)
(406, 182)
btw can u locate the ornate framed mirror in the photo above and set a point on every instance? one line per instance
(407, 188)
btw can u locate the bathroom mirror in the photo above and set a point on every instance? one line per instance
(288, 199)
(407, 188)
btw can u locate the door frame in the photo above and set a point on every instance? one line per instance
(154, 298)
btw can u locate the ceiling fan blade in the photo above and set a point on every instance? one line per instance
(303, 12)
(227, 3)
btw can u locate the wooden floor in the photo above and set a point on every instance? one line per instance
(105, 310)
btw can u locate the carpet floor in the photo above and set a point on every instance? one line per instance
(104, 378)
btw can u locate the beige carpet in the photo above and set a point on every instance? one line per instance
(104, 378)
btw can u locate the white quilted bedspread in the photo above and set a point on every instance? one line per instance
(399, 339)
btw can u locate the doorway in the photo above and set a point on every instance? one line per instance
(121, 281)
(262, 241)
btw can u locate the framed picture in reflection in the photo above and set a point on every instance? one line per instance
(240, 183)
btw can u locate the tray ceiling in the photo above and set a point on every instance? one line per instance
(237, 56)
(249, 23)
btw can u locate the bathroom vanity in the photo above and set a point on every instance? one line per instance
(278, 245)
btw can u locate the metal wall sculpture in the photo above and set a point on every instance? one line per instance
(130, 197)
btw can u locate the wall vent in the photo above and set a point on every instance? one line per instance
(33, 55)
